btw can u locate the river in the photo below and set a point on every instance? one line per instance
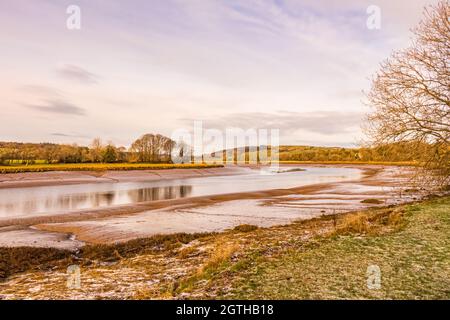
(50, 200)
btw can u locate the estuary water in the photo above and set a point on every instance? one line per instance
(50, 200)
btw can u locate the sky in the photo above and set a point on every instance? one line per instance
(155, 66)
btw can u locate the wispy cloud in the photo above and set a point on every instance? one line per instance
(40, 90)
(231, 62)
(59, 107)
(321, 122)
(67, 135)
(76, 73)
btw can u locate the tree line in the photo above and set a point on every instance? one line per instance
(154, 148)
(393, 152)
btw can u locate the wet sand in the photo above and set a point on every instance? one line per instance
(204, 214)
(58, 178)
(30, 237)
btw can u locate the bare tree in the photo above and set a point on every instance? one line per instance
(95, 151)
(152, 148)
(410, 95)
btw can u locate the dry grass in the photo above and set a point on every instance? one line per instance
(372, 201)
(186, 252)
(22, 259)
(16, 260)
(369, 222)
(157, 243)
(395, 218)
(354, 223)
(245, 228)
(322, 258)
(219, 256)
(218, 260)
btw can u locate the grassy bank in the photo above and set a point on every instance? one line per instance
(410, 245)
(25, 259)
(162, 166)
(100, 167)
(322, 258)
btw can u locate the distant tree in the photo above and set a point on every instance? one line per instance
(109, 154)
(122, 155)
(96, 149)
(410, 95)
(152, 148)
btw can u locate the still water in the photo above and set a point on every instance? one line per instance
(46, 200)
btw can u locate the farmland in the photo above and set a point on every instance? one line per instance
(100, 167)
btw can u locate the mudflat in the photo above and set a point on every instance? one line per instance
(57, 178)
(211, 213)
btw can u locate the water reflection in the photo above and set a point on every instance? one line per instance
(52, 202)
(159, 193)
(15, 202)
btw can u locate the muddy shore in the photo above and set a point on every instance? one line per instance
(126, 222)
(59, 178)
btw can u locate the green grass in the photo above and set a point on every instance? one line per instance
(100, 167)
(414, 259)
(322, 258)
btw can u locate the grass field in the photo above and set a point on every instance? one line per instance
(160, 166)
(410, 246)
(100, 167)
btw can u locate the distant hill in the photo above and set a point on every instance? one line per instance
(11, 152)
(398, 152)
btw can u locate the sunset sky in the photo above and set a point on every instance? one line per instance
(156, 65)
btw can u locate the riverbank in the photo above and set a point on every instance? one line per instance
(322, 258)
(373, 186)
(407, 244)
(103, 167)
(100, 167)
(61, 178)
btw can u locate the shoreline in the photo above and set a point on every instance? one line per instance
(60, 178)
(78, 224)
(73, 177)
